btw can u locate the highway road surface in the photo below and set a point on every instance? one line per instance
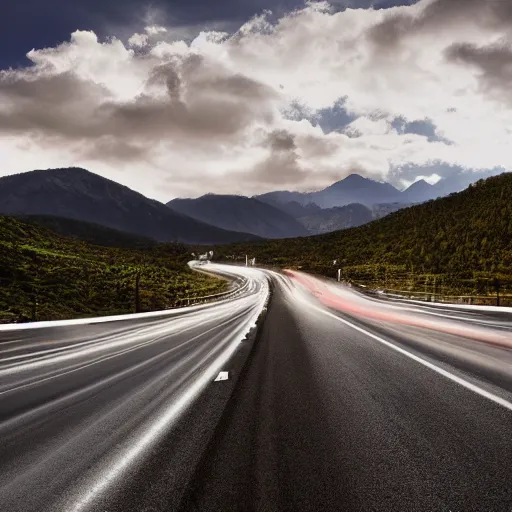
(339, 402)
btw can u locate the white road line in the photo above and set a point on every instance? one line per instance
(100, 319)
(123, 352)
(118, 318)
(127, 455)
(468, 385)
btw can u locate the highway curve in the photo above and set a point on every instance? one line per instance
(84, 405)
(341, 402)
(350, 411)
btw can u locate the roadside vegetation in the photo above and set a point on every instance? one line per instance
(457, 245)
(88, 231)
(45, 276)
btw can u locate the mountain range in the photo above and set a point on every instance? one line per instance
(239, 213)
(347, 203)
(78, 194)
(49, 196)
(358, 189)
(462, 242)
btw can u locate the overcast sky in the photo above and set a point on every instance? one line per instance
(183, 98)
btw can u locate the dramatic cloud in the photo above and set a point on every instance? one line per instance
(291, 102)
(138, 40)
(494, 62)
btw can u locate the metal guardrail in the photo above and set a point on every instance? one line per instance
(190, 301)
(488, 300)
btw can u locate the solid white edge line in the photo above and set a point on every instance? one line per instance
(181, 403)
(164, 313)
(462, 382)
(111, 356)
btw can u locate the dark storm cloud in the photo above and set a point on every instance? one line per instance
(155, 119)
(56, 105)
(112, 149)
(65, 87)
(281, 140)
(494, 64)
(283, 170)
(201, 104)
(168, 75)
(438, 16)
(489, 13)
(282, 167)
(195, 76)
(391, 31)
(313, 146)
(238, 86)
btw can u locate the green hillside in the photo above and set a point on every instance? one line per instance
(88, 231)
(46, 276)
(461, 242)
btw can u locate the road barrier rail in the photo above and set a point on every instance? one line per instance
(239, 285)
(480, 300)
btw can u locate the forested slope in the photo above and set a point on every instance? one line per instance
(46, 276)
(465, 236)
(88, 231)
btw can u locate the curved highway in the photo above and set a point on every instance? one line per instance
(340, 402)
(84, 403)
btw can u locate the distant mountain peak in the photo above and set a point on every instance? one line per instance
(355, 189)
(67, 172)
(76, 193)
(350, 180)
(355, 177)
(240, 214)
(420, 184)
(419, 191)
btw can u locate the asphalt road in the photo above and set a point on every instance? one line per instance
(341, 402)
(348, 404)
(83, 406)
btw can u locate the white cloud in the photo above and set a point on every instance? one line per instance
(183, 118)
(154, 30)
(432, 179)
(138, 40)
